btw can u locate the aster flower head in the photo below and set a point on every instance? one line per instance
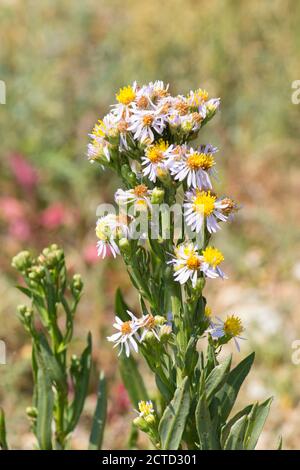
(203, 206)
(148, 323)
(211, 260)
(140, 196)
(145, 408)
(126, 335)
(156, 159)
(195, 167)
(231, 328)
(109, 228)
(98, 150)
(186, 263)
(125, 99)
(189, 264)
(143, 124)
(197, 98)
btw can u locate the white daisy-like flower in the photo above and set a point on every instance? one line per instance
(98, 150)
(232, 327)
(186, 263)
(196, 167)
(154, 92)
(147, 322)
(143, 123)
(204, 207)
(156, 159)
(127, 331)
(125, 98)
(210, 260)
(189, 264)
(197, 99)
(139, 196)
(108, 229)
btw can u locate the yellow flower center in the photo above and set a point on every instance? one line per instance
(103, 231)
(196, 117)
(193, 262)
(204, 202)
(147, 120)
(149, 322)
(182, 108)
(99, 129)
(207, 311)
(233, 326)
(126, 95)
(198, 97)
(213, 256)
(140, 190)
(155, 153)
(143, 102)
(126, 328)
(146, 407)
(200, 160)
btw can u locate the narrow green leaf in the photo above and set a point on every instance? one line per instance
(224, 399)
(205, 428)
(236, 435)
(25, 291)
(226, 428)
(45, 402)
(81, 382)
(50, 363)
(172, 423)
(120, 306)
(256, 421)
(96, 436)
(132, 380)
(217, 377)
(164, 389)
(191, 356)
(211, 358)
(279, 445)
(3, 442)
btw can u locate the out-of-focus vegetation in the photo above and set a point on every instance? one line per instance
(62, 63)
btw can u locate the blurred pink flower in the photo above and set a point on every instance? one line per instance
(90, 254)
(122, 399)
(20, 229)
(54, 216)
(11, 208)
(24, 172)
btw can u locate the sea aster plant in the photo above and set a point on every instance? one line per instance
(149, 135)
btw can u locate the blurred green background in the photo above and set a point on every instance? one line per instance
(62, 63)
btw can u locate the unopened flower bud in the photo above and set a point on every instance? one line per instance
(164, 176)
(25, 312)
(158, 195)
(150, 338)
(22, 261)
(140, 423)
(124, 246)
(165, 333)
(159, 320)
(32, 412)
(77, 283)
(36, 273)
(150, 420)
